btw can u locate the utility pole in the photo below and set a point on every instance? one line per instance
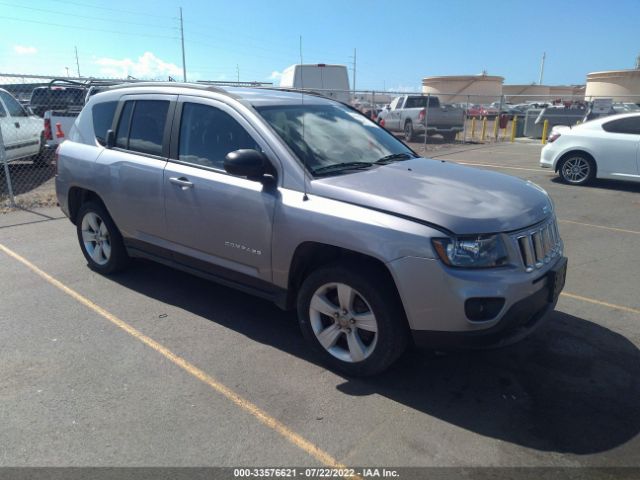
(67, 69)
(77, 62)
(238, 72)
(544, 56)
(184, 65)
(354, 71)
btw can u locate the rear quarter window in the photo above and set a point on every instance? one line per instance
(629, 125)
(102, 114)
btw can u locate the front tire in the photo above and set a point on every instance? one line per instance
(577, 169)
(100, 240)
(353, 320)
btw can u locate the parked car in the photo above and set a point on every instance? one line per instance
(479, 111)
(21, 132)
(607, 147)
(305, 201)
(409, 113)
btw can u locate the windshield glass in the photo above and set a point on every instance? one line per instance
(324, 135)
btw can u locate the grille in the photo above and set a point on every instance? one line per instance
(539, 245)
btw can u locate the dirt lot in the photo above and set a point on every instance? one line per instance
(154, 367)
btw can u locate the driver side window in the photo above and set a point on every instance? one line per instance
(207, 134)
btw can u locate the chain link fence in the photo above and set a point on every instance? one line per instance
(37, 113)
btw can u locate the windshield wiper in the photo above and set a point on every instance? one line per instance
(337, 167)
(394, 157)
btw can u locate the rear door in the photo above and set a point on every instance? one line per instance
(617, 150)
(216, 221)
(131, 173)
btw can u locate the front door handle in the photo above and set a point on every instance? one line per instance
(182, 181)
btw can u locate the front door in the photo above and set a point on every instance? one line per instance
(218, 220)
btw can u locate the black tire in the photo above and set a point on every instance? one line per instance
(375, 296)
(577, 169)
(117, 258)
(43, 157)
(409, 134)
(449, 136)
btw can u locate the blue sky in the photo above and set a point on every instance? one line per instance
(397, 43)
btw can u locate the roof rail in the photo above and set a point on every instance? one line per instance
(172, 84)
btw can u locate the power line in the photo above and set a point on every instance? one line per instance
(145, 14)
(92, 29)
(66, 14)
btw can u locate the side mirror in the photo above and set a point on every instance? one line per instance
(246, 163)
(110, 141)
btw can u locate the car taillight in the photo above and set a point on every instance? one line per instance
(382, 122)
(421, 115)
(553, 137)
(47, 129)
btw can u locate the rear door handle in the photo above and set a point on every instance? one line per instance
(182, 181)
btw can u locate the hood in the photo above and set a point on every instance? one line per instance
(460, 199)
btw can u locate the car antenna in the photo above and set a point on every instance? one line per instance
(305, 197)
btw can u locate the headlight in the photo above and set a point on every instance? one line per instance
(472, 252)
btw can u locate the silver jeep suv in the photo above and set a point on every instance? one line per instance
(302, 200)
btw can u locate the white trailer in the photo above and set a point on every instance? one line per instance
(329, 80)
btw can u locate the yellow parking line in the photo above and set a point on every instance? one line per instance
(601, 303)
(539, 170)
(239, 401)
(615, 229)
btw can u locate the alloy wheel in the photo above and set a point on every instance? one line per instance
(96, 238)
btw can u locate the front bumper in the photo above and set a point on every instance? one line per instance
(547, 157)
(434, 298)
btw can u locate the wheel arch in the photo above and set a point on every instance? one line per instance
(309, 256)
(574, 151)
(76, 197)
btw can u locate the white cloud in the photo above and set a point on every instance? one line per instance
(148, 66)
(24, 50)
(275, 76)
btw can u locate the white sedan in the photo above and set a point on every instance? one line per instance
(607, 147)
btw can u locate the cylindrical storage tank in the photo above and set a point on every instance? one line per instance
(463, 88)
(565, 92)
(526, 93)
(621, 85)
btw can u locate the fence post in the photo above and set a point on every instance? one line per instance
(464, 124)
(5, 162)
(545, 131)
(426, 121)
(495, 130)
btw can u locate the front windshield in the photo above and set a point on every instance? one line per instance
(326, 135)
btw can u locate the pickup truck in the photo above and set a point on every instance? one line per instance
(21, 132)
(408, 114)
(59, 104)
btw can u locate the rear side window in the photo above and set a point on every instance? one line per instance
(141, 126)
(207, 134)
(420, 102)
(630, 125)
(102, 119)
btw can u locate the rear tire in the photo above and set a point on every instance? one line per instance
(100, 240)
(449, 136)
(43, 157)
(352, 319)
(409, 134)
(577, 169)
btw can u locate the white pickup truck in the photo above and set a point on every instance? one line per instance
(21, 132)
(410, 113)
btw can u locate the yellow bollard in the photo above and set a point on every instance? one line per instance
(473, 127)
(484, 128)
(496, 122)
(514, 126)
(545, 130)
